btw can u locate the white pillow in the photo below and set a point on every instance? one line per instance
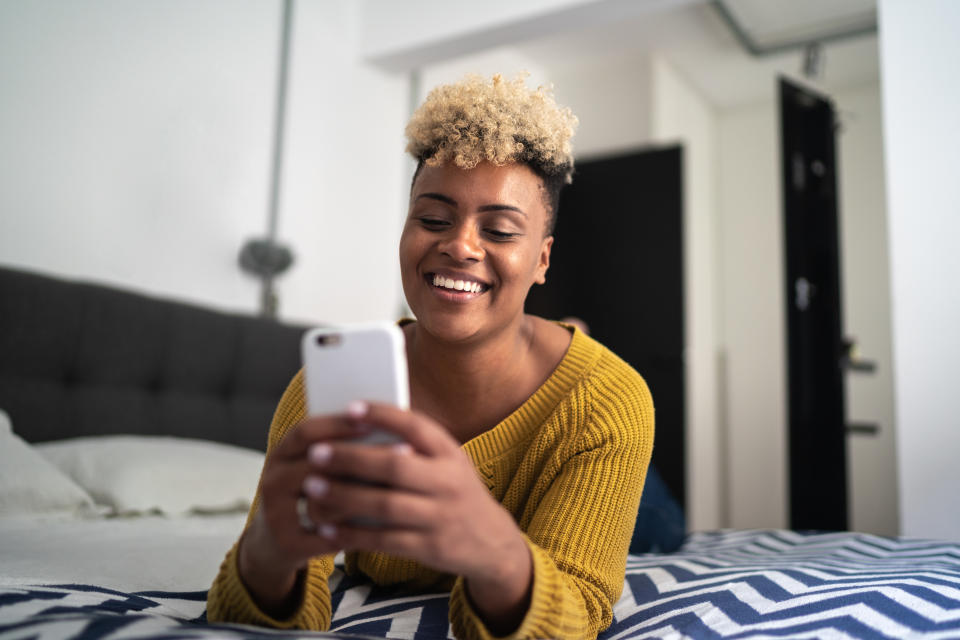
(29, 483)
(175, 476)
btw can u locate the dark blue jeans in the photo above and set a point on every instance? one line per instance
(661, 526)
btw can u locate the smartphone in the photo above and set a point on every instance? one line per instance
(358, 362)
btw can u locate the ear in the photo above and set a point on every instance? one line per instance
(544, 261)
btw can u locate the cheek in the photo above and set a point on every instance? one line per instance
(408, 252)
(523, 267)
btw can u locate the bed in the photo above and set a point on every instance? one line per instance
(110, 528)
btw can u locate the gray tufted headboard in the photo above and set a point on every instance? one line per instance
(80, 359)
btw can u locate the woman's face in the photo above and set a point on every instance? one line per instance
(472, 246)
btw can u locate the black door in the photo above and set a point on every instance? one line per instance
(617, 263)
(818, 464)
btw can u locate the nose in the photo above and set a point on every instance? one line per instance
(462, 243)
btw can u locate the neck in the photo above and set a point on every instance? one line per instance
(476, 363)
(457, 383)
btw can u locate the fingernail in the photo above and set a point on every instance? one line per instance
(357, 409)
(327, 530)
(320, 453)
(315, 486)
(403, 449)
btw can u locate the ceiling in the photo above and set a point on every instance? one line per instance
(769, 23)
(697, 41)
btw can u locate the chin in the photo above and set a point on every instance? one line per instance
(449, 328)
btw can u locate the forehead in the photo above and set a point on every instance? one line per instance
(511, 184)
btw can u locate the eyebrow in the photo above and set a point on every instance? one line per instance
(487, 207)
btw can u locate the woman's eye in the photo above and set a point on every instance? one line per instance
(433, 223)
(496, 234)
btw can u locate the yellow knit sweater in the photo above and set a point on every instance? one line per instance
(569, 464)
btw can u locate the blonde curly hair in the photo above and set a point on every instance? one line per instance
(499, 121)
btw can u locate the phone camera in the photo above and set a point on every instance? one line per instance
(328, 339)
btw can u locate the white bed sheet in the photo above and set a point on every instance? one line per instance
(127, 554)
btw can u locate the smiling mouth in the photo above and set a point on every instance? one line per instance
(453, 285)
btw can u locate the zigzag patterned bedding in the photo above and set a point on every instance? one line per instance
(755, 584)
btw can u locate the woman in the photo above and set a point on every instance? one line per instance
(526, 444)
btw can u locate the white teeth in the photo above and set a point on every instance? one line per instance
(457, 285)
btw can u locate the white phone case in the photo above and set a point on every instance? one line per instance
(358, 362)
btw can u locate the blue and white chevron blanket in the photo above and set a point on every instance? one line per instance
(730, 584)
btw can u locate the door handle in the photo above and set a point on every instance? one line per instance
(863, 428)
(850, 361)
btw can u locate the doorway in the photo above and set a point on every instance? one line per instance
(815, 346)
(617, 264)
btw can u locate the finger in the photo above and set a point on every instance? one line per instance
(282, 478)
(332, 501)
(394, 465)
(286, 467)
(315, 429)
(281, 484)
(410, 543)
(292, 534)
(423, 433)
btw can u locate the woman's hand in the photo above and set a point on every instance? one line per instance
(428, 504)
(275, 547)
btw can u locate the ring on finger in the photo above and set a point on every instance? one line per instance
(303, 516)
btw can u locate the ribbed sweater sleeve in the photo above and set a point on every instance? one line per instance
(579, 530)
(228, 599)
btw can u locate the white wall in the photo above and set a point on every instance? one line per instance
(680, 115)
(393, 28)
(136, 141)
(408, 35)
(137, 148)
(752, 318)
(865, 286)
(921, 97)
(612, 101)
(506, 61)
(345, 188)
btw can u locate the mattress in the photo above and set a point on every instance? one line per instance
(125, 554)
